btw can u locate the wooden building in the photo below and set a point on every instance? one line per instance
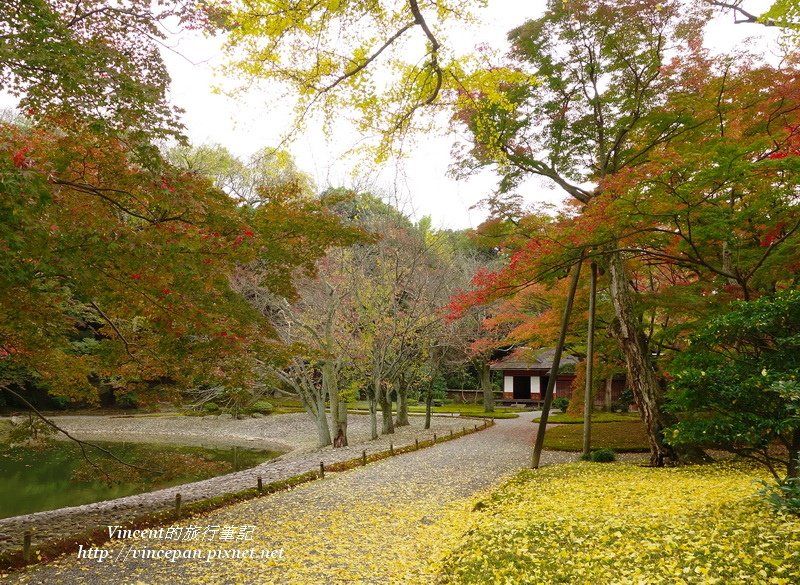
(526, 373)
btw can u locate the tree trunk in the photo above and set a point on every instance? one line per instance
(609, 387)
(486, 386)
(340, 424)
(402, 404)
(323, 431)
(793, 469)
(587, 393)
(428, 405)
(373, 415)
(641, 374)
(385, 399)
(338, 407)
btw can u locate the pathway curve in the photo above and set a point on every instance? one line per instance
(378, 524)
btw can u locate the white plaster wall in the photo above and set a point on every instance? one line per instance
(508, 384)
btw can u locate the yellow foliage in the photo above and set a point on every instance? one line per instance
(603, 524)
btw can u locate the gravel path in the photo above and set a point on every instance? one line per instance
(378, 524)
(287, 432)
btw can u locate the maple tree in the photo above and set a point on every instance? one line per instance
(91, 63)
(116, 271)
(703, 217)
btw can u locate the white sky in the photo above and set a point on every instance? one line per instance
(420, 182)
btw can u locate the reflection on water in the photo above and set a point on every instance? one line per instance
(33, 479)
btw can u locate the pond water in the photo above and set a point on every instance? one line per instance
(57, 475)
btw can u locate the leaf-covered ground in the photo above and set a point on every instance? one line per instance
(624, 524)
(383, 524)
(443, 515)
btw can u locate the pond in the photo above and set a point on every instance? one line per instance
(34, 479)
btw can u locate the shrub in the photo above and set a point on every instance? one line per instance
(211, 407)
(261, 407)
(603, 456)
(58, 402)
(737, 386)
(127, 400)
(561, 403)
(785, 496)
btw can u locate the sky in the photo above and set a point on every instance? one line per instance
(419, 184)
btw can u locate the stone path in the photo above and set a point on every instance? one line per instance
(379, 524)
(281, 432)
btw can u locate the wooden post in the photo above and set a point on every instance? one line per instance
(434, 437)
(177, 504)
(391, 448)
(416, 444)
(476, 426)
(587, 395)
(260, 485)
(451, 432)
(551, 382)
(364, 457)
(26, 546)
(321, 470)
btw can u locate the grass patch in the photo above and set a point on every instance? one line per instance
(454, 408)
(622, 523)
(5, 431)
(597, 417)
(621, 436)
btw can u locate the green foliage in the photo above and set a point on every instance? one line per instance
(439, 389)
(783, 13)
(561, 403)
(603, 456)
(382, 61)
(598, 71)
(127, 400)
(623, 403)
(260, 407)
(90, 64)
(784, 495)
(211, 407)
(737, 386)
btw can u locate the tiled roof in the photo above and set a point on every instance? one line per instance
(526, 358)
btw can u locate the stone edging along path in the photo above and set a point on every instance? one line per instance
(54, 532)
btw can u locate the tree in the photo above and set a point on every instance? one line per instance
(579, 103)
(352, 55)
(737, 386)
(311, 323)
(91, 64)
(602, 71)
(247, 183)
(115, 270)
(397, 287)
